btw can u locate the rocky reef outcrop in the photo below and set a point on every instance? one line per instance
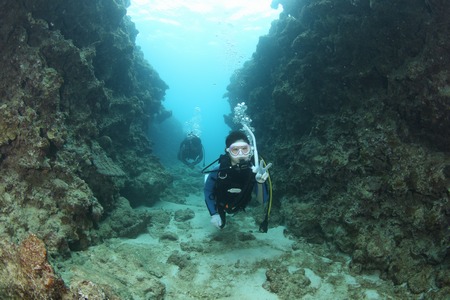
(76, 100)
(350, 101)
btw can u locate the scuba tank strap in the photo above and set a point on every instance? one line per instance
(222, 161)
(204, 157)
(204, 170)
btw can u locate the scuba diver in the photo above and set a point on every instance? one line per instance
(229, 186)
(191, 150)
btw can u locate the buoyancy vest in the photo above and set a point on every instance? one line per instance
(234, 185)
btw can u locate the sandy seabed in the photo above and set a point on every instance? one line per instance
(184, 257)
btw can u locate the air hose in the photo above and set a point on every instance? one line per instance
(264, 226)
(255, 150)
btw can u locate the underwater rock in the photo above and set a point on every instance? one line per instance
(169, 236)
(179, 259)
(184, 215)
(287, 285)
(88, 290)
(66, 143)
(419, 282)
(106, 166)
(349, 100)
(144, 189)
(245, 236)
(124, 222)
(193, 247)
(27, 273)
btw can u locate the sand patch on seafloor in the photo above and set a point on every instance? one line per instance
(191, 259)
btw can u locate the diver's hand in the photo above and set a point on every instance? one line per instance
(216, 221)
(261, 172)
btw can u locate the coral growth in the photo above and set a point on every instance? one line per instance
(350, 101)
(76, 99)
(291, 285)
(26, 273)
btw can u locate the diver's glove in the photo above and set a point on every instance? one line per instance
(216, 221)
(261, 172)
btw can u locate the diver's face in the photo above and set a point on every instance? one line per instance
(239, 151)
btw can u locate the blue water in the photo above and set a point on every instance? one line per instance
(195, 47)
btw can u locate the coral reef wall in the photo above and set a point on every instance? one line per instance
(76, 99)
(351, 102)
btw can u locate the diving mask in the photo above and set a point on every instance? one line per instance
(239, 149)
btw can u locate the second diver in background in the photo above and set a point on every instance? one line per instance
(191, 150)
